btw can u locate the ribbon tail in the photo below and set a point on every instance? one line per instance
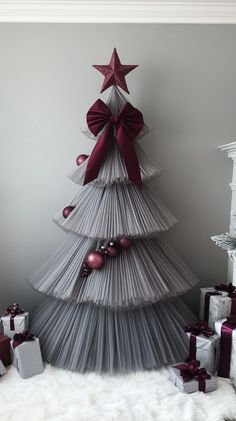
(129, 156)
(97, 155)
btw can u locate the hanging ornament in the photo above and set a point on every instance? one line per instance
(111, 250)
(95, 260)
(125, 242)
(67, 210)
(81, 158)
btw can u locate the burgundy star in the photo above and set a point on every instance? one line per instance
(115, 72)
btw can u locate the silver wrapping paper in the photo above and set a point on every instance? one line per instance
(89, 338)
(27, 358)
(192, 385)
(218, 325)
(207, 351)
(2, 369)
(21, 322)
(147, 272)
(219, 307)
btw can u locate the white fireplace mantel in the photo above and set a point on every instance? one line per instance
(230, 149)
(118, 11)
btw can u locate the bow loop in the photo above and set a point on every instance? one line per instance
(229, 288)
(199, 328)
(128, 124)
(24, 336)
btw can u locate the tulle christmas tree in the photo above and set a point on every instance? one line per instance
(113, 287)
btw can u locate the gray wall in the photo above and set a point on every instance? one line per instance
(185, 86)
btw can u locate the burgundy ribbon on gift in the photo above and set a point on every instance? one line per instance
(227, 328)
(196, 329)
(24, 336)
(231, 290)
(12, 311)
(128, 124)
(192, 371)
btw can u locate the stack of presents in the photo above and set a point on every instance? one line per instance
(18, 345)
(212, 343)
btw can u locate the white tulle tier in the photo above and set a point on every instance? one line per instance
(148, 272)
(116, 211)
(113, 169)
(88, 338)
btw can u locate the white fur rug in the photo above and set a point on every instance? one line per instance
(58, 395)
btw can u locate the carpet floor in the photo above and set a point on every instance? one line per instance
(59, 395)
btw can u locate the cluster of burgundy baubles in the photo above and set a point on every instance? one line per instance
(114, 74)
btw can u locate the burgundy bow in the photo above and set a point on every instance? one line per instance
(227, 288)
(24, 336)
(12, 311)
(199, 328)
(128, 124)
(192, 371)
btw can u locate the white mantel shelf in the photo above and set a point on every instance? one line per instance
(230, 148)
(110, 11)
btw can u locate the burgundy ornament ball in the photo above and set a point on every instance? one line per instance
(95, 260)
(81, 158)
(111, 251)
(67, 210)
(125, 242)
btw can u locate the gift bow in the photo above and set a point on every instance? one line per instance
(192, 371)
(12, 311)
(229, 288)
(199, 328)
(128, 124)
(24, 336)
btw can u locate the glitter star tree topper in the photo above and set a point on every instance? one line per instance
(115, 72)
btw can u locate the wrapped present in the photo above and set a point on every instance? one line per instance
(217, 302)
(203, 345)
(27, 354)
(14, 320)
(191, 378)
(2, 369)
(226, 329)
(5, 350)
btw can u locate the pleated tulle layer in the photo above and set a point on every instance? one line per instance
(113, 169)
(148, 272)
(116, 211)
(89, 338)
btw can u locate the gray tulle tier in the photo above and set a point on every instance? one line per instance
(116, 211)
(148, 272)
(89, 338)
(113, 169)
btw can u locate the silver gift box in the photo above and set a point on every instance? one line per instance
(232, 375)
(2, 369)
(207, 351)
(27, 358)
(21, 322)
(191, 386)
(219, 306)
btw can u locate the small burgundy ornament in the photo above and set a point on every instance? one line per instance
(125, 242)
(111, 251)
(67, 210)
(95, 260)
(81, 158)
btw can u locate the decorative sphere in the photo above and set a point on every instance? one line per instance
(125, 242)
(81, 158)
(111, 251)
(67, 210)
(95, 260)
